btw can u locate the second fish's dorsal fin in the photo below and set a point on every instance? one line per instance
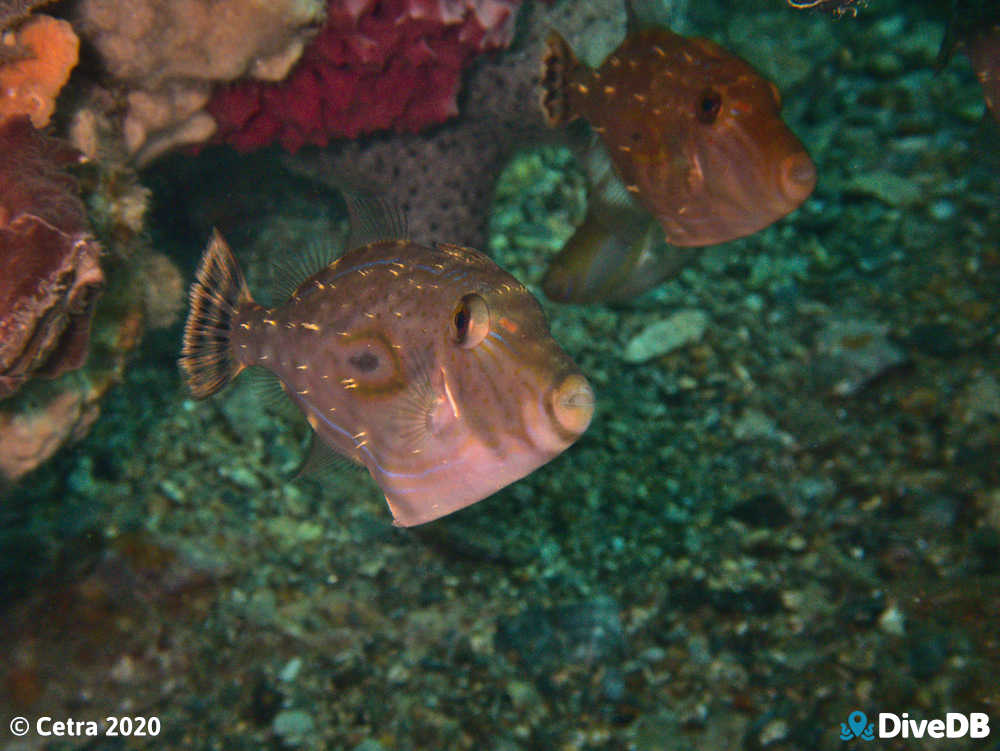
(373, 219)
(650, 14)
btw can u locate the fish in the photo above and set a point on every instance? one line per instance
(694, 132)
(618, 251)
(973, 26)
(429, 365)
(983, 49)
(835, 8)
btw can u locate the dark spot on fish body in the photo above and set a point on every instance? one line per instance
(366, 362)
(708, 106)
(376, 363)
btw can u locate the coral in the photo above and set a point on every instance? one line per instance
(164, 290)
(444, 177)
(12, 11)
(29, 436)
(41, 55)
(374, 66)
(166, 55)
(49, 272)
(45, 415)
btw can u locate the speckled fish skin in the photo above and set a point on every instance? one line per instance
(983, 48)
(694, 132)
(372, 350)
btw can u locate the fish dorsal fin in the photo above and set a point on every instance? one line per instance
(651, 14)
(293, 268)
(632, 23)
(374, 219)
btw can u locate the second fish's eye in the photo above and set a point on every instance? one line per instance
(470, 321)
(709, 104)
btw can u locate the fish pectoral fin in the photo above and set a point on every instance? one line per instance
(321, 459)
(416, 414)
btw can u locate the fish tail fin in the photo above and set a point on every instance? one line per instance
(217, 294)
(558, 64)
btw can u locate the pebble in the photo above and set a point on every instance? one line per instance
(241, 476)
(892, 621)
(293, 726)
(773, 732)
(981, 400)
(171, 490)
(548, 638)
(291, 671)
(889, 188)
(852, 353)
(942, 209)
(754, 426)
(681, 328)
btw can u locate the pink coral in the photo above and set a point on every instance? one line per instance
(375, 65)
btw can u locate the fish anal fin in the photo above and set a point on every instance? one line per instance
(269, 394)
(322, 460)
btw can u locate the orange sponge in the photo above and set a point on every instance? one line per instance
(29, 85)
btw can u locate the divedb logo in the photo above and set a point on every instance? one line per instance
(889, 725)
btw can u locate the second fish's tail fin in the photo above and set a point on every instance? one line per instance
(217, 294)
(558, 65)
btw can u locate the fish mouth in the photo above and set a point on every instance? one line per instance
(573, 404)
(797, 177)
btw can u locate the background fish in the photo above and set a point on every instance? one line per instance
(974, 27)
(984, 53)
(431, 366)
(618, 251)
(694, 132)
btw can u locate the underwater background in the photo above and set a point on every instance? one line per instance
(786, 508)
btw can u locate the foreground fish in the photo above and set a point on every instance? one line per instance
(431, 366)
(694, 132)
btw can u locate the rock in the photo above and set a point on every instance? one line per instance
(293, 726)
(582, 633)
(890, 189)
(980, 400)
(852, 353)
(683, 327)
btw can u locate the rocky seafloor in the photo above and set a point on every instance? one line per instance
(789, 512)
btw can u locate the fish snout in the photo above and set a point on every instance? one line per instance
(573, 404)
(797, 175)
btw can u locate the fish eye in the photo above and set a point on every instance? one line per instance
(709, 104)
(471, 321)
